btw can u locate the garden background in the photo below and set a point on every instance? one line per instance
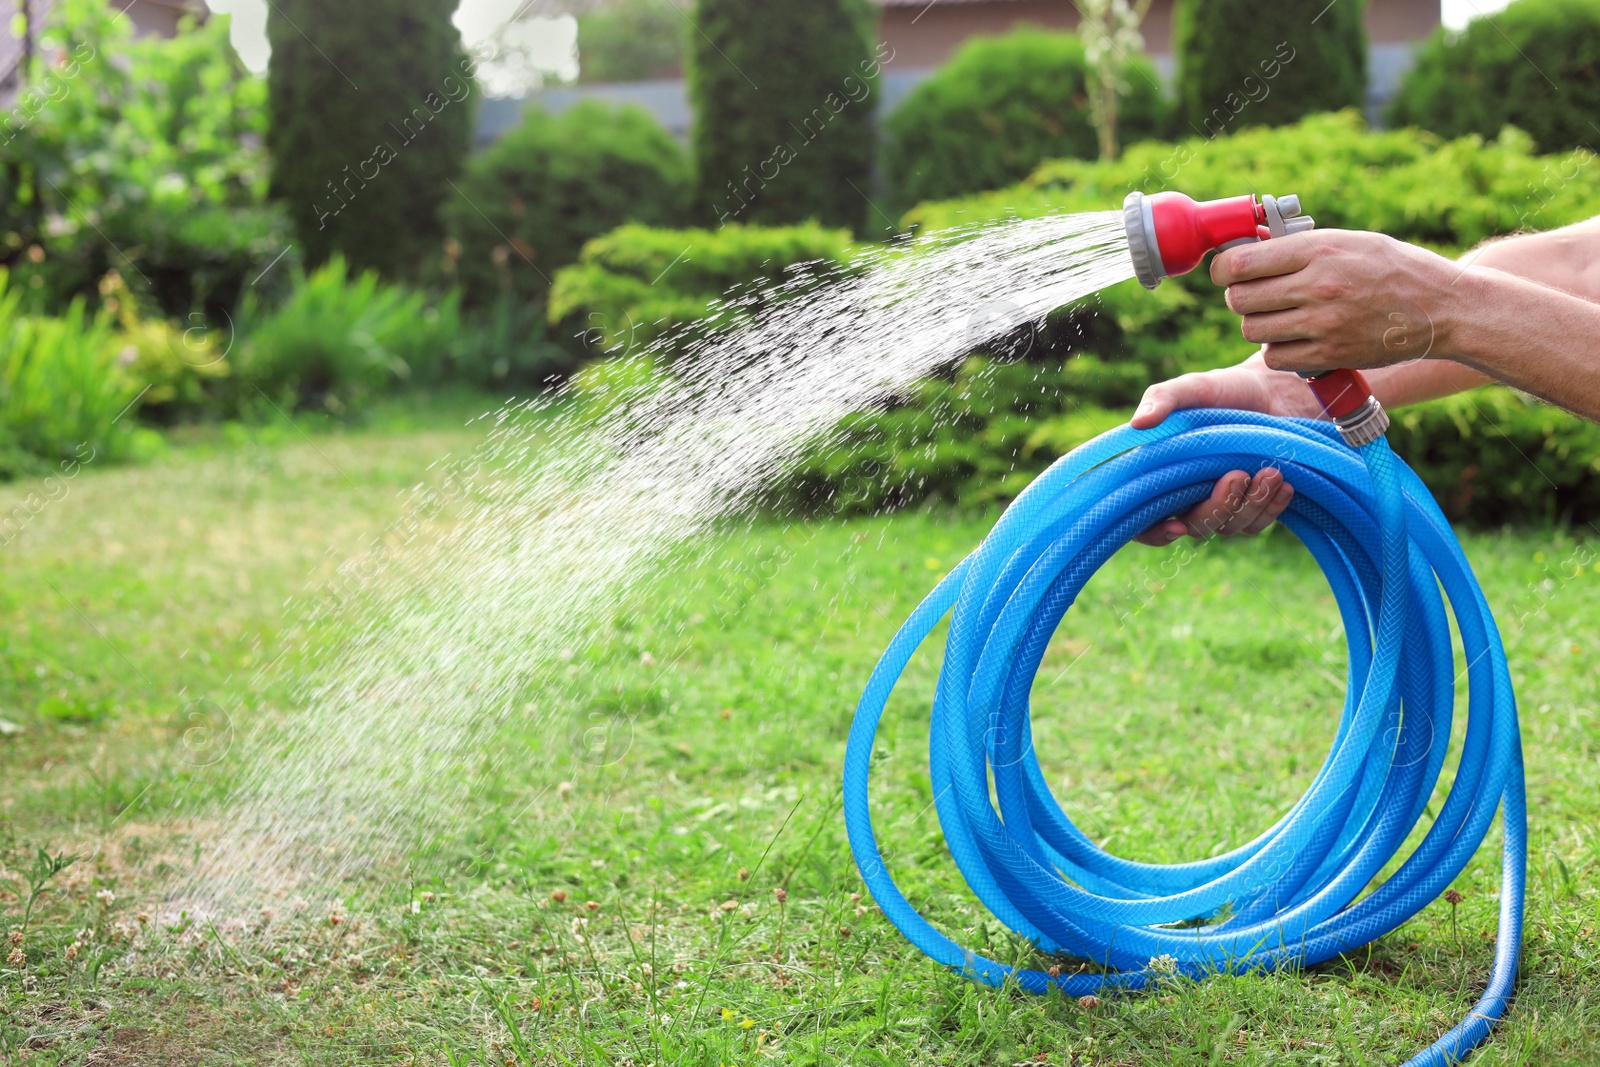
(240, 317)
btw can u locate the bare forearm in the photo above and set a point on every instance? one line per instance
(1510, 319)
(1539, 339)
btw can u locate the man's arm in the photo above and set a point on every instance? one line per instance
(1340, 298)
(1502, 288)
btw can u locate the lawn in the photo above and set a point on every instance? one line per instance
(653, 871)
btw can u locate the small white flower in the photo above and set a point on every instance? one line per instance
(105, 896)
(1163, 965)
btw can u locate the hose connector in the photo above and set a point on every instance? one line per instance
(1347, 399)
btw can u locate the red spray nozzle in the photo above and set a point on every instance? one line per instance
(1169, 233)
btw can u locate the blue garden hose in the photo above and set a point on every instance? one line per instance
(1386, 551)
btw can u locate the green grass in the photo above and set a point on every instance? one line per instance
(689, 770)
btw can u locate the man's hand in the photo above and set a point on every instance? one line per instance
(1240, 503)
(1339, 298)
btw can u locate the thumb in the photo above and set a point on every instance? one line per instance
(1153, 407)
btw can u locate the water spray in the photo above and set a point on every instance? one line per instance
(1292, 897)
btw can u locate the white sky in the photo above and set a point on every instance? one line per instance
(550, 45)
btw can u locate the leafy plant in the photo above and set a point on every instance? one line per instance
(41, 871)
(530, 201)
(1535, 65)
(1000, 107)
(339, 340)
(984, 434)
(142, 156)
(63, 385)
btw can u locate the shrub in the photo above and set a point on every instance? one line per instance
(141, 156)
(630, 40)
(636, 285)
(783, 119)
(508, 345)
(370, 120)
(62, 388)
(531, 200)
(1489, 457)
(1448, 195)
(340, 340)
(1495, 456)
(174, 365)
(1535, 65)
(971, 440)
(939, 442)
(1244, 63)
(1000, 107)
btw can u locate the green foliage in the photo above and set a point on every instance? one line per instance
(631, 40)
(1535, 65)
(783, 110)
(1244, 63)
(530, 201)
(635, 285)
(1448, 195)
(1000, 107)
(1495, 456)
(371, 106)
(972, 440)
(141, 156)
(942, 443)
(507, 344)
(339, 340)
(62, 386)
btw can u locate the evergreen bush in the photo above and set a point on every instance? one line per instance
(371, 108)
(1245, 63)
(783, 94)
(1535, 65)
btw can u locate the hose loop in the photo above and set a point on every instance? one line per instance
(1293, 896)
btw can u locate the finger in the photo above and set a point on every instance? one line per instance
(1265, 294)
(1163, 533)
(1163, 398)
(1226, 498)
(1270, 326)
(1275, 507)
(1263, 487)
(1302, 357)
(1264, 259)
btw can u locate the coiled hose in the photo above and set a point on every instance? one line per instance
(1386, 551)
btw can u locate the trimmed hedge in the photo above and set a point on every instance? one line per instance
(1244, 63)
(1001, 106)
(941, 442)
(636, 285)
(1535, 65)
(1445, 194)
(1490, 457)
(530, 201)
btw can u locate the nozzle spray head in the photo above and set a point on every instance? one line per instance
(1169, 233)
